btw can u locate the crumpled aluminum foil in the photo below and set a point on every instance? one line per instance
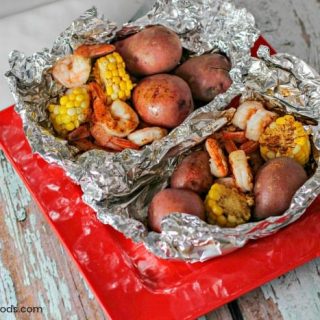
(120, 186)
(287, 85)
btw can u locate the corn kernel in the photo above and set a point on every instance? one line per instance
(56, 110)
(232, 219)
(64, 100)
(128, 85)
(65, 118)
(109, 91)
(70, 126)
(71, 111)
(77, 91)
(300, 141)
(77, 103)
(273, 126)
(116, 80)
(118, 57)
(271, 155)
(109, 74)
(121, 73)
(280, 121)
(296, 149)
(217, 210)
(59, 119)
(221, 220)
(288, 117)
(80, 97)
(115, 73)
(63, 109)
(81, 117)
(69, 104)
(51, 107)
(121, 95)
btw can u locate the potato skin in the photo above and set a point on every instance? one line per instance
(193, 173)
(207, 75)
(163, 100)
(153, 50)
(276, 183)
(174, 200)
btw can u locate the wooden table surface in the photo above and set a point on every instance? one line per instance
(36, 271)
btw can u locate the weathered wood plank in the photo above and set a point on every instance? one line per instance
(291, 26)
(35, 270)
(222, 313)
(254, 305)
(297, 293)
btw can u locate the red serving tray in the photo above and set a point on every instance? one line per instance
(130, 282)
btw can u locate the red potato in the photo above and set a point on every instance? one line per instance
(193, 173)
(163, 100)
(169, 201)
(207, 75)
(153, 50)
(276, 183)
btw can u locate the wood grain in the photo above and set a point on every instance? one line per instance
(291, 26)
(35, 269)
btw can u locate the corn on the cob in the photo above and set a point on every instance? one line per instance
(110, 72)
(285, 137)
(226, 206)
(73, 110)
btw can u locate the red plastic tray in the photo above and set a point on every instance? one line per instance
(130, 282)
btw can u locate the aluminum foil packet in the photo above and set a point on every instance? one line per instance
(120, 186)
(287, 85)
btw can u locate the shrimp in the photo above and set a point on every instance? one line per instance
(81, 132)
(237, 136)
(107, 141)
(257, 124)
(250, 146)
(244, 112)
(118, 119)
(218, 162)
(84, 144)
(94, 50)
(147, 135)
(74, 70)
(110, 124)
(241, 170)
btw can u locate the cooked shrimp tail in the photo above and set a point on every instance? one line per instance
(147, 135)
(218, 162)
(94, 50)
(107, 141)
